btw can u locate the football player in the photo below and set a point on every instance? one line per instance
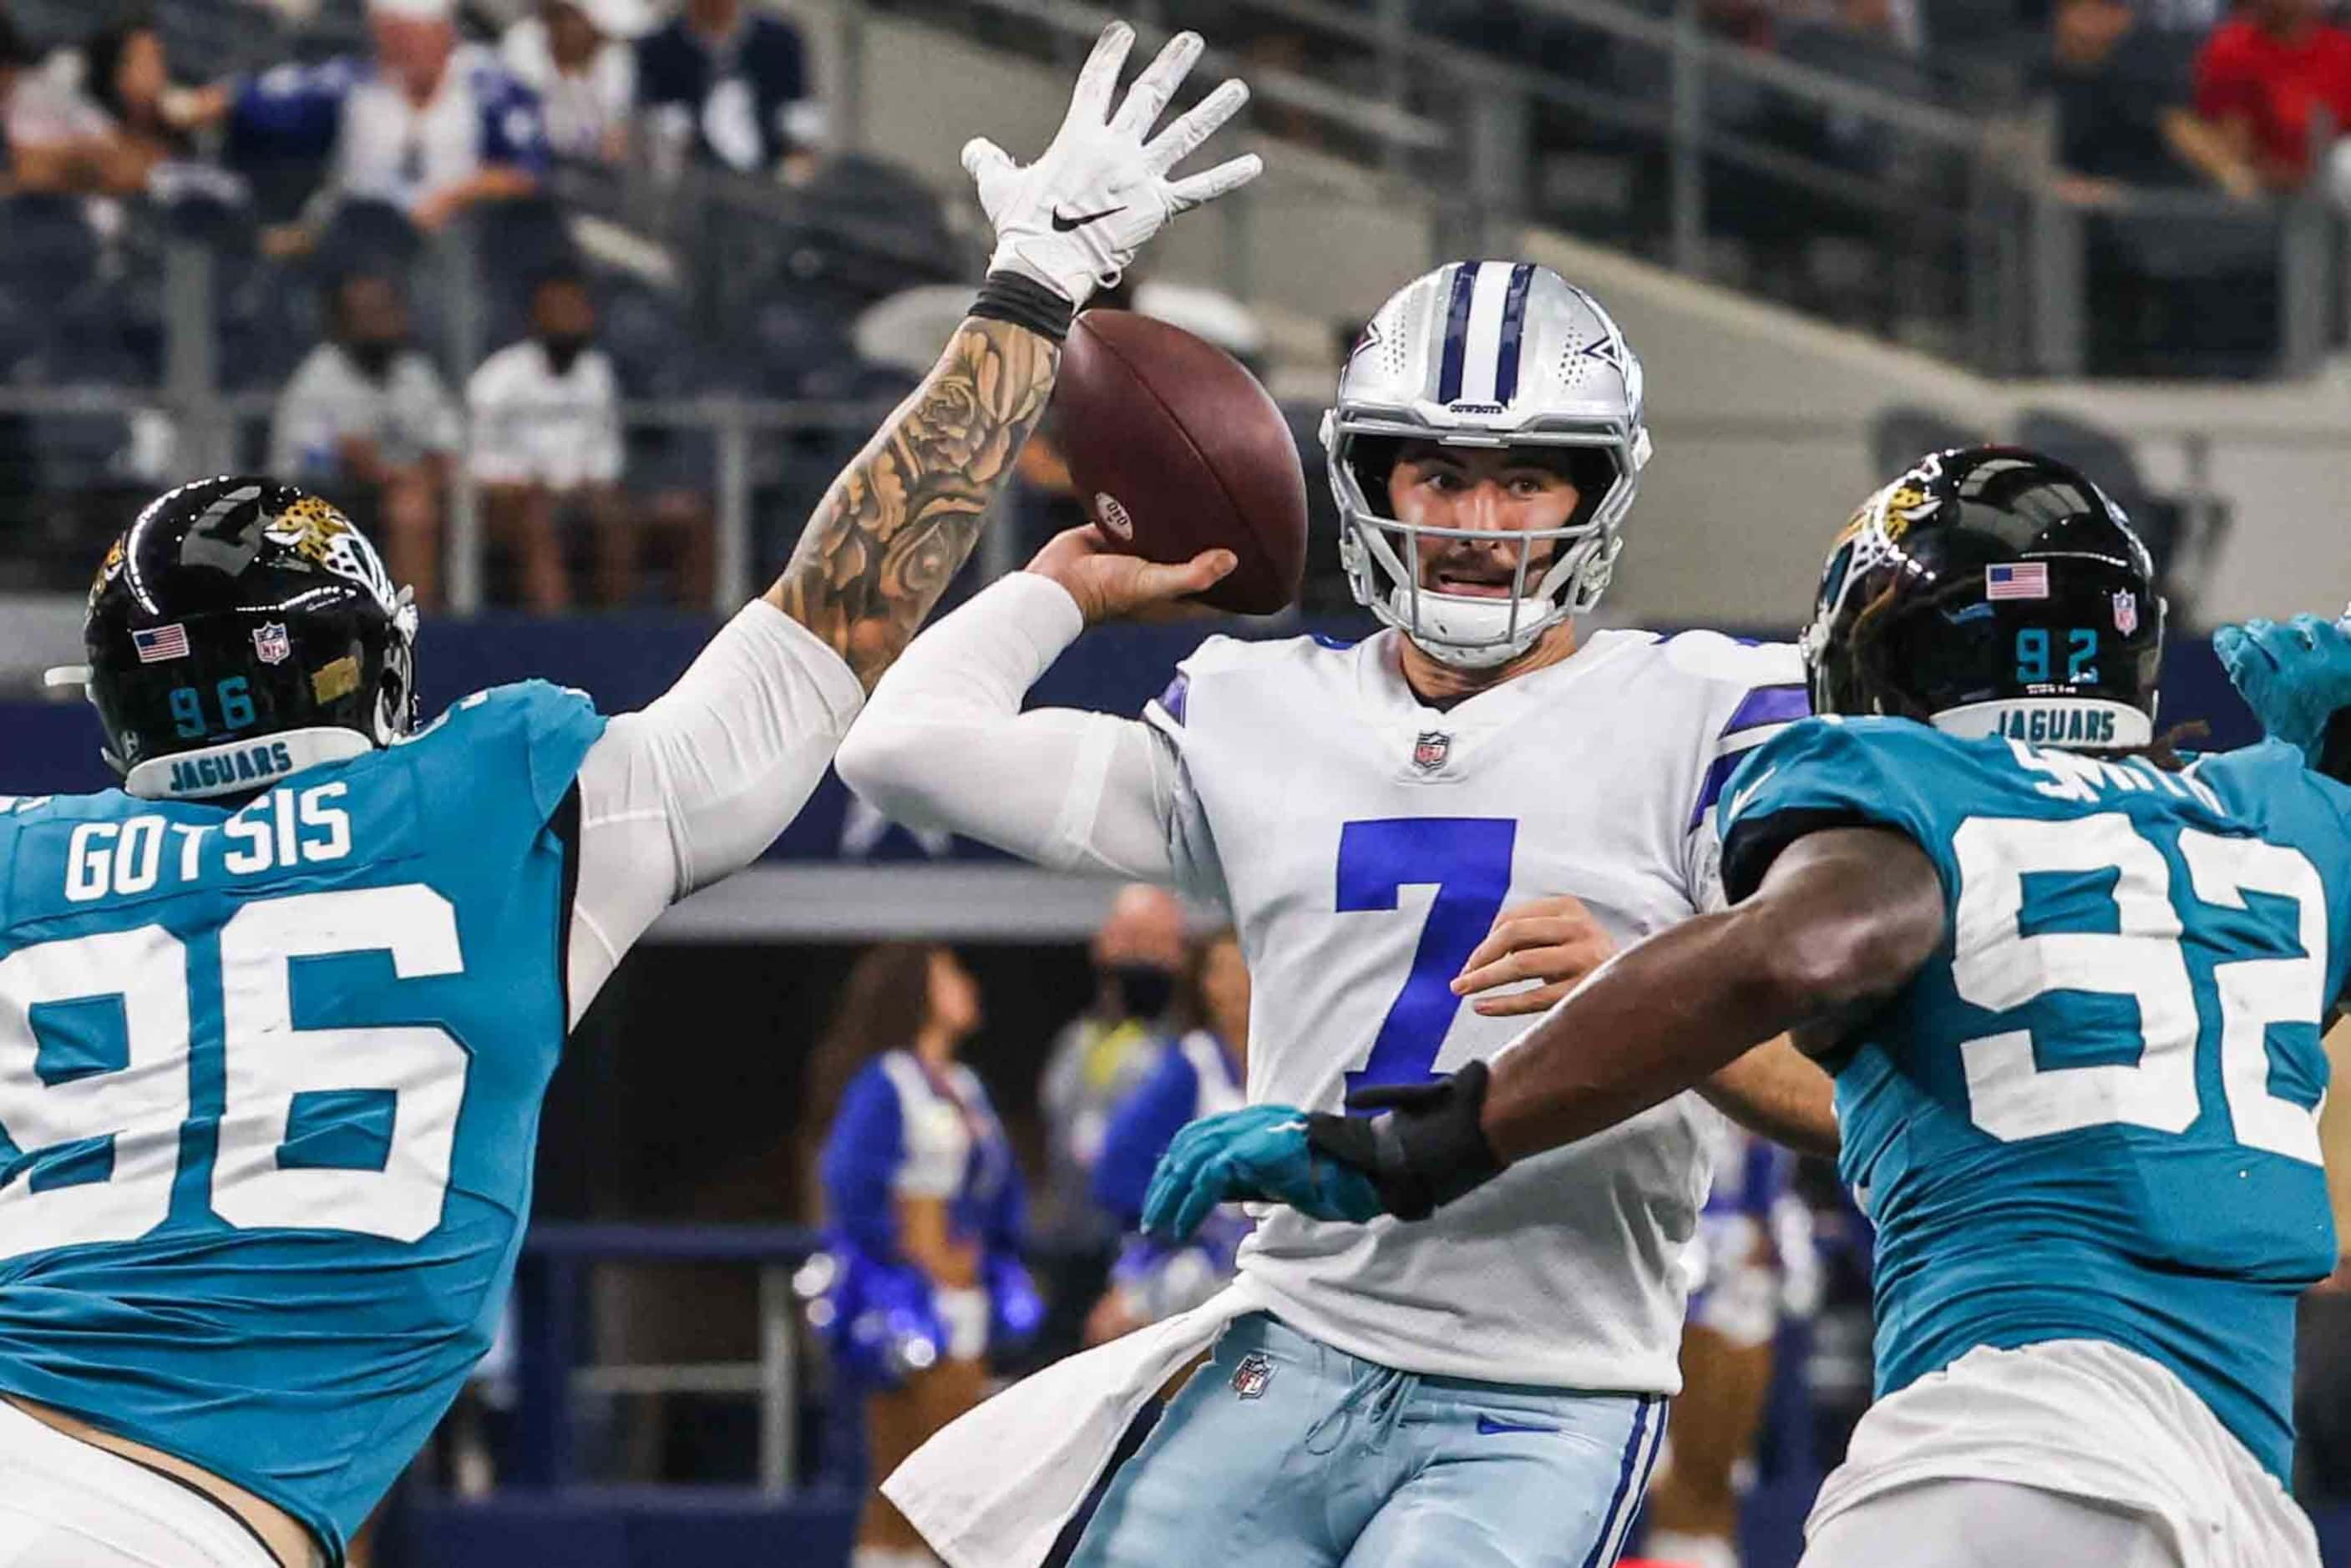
(276, 1016)
(2072, 991)
(1393, 826)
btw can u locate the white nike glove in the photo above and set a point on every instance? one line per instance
(1073, 220)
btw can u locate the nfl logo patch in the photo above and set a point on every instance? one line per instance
(1429, 751)
(2125, 611)
(270, 643)
(1252, 1375)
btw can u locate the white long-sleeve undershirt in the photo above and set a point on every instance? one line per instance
(692, 788)
(943, 743)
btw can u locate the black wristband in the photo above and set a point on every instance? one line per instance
(1024, 302)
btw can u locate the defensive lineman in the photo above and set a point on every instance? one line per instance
(276, 1016)
(2071, 995)
(1475, 1392)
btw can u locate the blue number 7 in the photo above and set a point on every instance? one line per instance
(1469, 859)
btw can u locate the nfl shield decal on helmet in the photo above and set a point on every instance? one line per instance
(270, 643)
(2125, 611)
(1429, 751)
(1252, 1375)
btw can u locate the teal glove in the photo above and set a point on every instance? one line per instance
(2293, 676)
(1256, 1155)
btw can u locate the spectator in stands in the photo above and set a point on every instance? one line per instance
(547, 448)
(428, 125)
(59, 141)
(729, 84)
(922, 1206)
(1200, 1073)
(367, 421)
(2123, 107)
(1097, 1061)
(2263, 78)
(578, 56)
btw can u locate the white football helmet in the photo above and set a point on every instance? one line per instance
(1485, 354)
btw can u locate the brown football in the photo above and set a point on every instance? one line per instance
(1173, 448)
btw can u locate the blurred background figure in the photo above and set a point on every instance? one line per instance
(368, 422)
(1200, 1073)
(923, 1210)
(1751, 1262)
(2123, 108)
(2263, 76)
(546, 451)
(727, 85)
(580, 56)
(1098, 1060)
(426, 124)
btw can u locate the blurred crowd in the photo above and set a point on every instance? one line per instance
(424, 118)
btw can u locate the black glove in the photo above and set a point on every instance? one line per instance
(1427, 1151)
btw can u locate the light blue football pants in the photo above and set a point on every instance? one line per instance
(1281, 1453)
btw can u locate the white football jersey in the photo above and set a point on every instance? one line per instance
(1365, 843)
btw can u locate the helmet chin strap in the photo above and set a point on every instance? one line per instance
(1482, 654)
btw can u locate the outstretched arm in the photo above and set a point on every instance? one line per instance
(899, 521)
(701, 782)
(1842, 920)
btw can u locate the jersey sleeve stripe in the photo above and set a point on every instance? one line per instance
(1171, 700)
(1772, 705)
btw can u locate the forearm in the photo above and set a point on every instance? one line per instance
(900, 520)
(1656, 1020)
(1778, 1092)
(2200, 145)
(1844, 919)
(943, 742)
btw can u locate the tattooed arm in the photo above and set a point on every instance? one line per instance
(900, 520)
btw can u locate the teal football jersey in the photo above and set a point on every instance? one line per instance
(2093, 1113)
(269, 1087)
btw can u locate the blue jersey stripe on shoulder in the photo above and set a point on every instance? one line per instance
(1770, 705)
(1718, 778)
(1178, 693)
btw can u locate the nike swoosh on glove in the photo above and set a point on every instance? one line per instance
(1073, 220)
(1259, 1153)
(2294, 676)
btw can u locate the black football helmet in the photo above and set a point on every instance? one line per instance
(1991, 590)
(241, 630)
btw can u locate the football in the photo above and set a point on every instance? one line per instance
(1173, 448)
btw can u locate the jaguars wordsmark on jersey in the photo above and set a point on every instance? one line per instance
(270, 1079)
(2092, 1116)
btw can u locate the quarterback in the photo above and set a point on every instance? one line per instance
(1475, 797)
(276, 1016)
(2071, 993)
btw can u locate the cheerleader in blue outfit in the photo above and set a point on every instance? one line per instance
(924, 1216)
(1200, 1073)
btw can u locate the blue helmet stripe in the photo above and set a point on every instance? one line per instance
(1514, 320)
(1456, 332)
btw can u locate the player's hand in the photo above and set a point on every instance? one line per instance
(1555, 943)
(1073, 220)
(1108, 585)
(1259, 1153)
(2293, 676)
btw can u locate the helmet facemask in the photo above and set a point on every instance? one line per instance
(1494, 355)
(1383, 554)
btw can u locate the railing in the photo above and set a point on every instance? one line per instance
(554, 1376)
